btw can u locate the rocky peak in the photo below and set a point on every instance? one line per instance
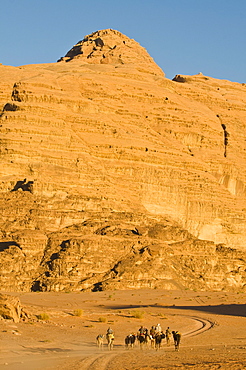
(111, 47)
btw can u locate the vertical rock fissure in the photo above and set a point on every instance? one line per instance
(226, 136)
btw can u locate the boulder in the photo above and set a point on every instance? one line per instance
(10, 307)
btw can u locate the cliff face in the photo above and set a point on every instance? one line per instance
(102, 144)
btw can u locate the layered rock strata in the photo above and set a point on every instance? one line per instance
(103, 133)
(130, 252)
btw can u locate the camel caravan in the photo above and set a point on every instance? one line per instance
(144, 338)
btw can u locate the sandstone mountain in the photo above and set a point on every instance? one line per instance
(113, 176)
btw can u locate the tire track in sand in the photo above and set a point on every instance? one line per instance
(93, 362)
(205, 325)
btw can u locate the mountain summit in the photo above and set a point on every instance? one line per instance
(111, 47)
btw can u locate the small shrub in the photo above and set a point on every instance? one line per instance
(162, 315)
(78, 312)
(138, 314)
(43, 316)
(102, 319)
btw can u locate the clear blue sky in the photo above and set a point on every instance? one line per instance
(183, 36)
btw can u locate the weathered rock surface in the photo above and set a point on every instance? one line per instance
(112, 47)
(131, 251)
(114, 176)
(10, 308)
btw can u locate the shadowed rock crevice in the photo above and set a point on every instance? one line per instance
(24, 185)
(9, 107)
(18, 93)
(7, 245)
(226, 136)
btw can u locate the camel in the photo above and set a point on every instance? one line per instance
(176, 338)
(152, 340)
(110, 339)
(143, 339)
(100, 340)
(130, 340)
(158, 339)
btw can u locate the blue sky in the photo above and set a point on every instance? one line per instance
(183, 36)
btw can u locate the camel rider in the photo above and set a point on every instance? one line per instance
(152, 331)
(158, 328)
(110, 335)
(141, 330)
(110, 331)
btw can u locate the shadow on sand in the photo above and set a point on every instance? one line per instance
(46, 349)
(222, 309)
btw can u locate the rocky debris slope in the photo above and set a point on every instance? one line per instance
(120, 250)
(83, 141)
(129, 251)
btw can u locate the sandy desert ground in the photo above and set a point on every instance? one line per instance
(213, 327)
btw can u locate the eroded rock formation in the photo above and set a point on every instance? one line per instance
(114, 176)
(112, 47)
(130, 251)
(10, 308)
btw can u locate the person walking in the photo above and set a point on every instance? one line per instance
(168, 335)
